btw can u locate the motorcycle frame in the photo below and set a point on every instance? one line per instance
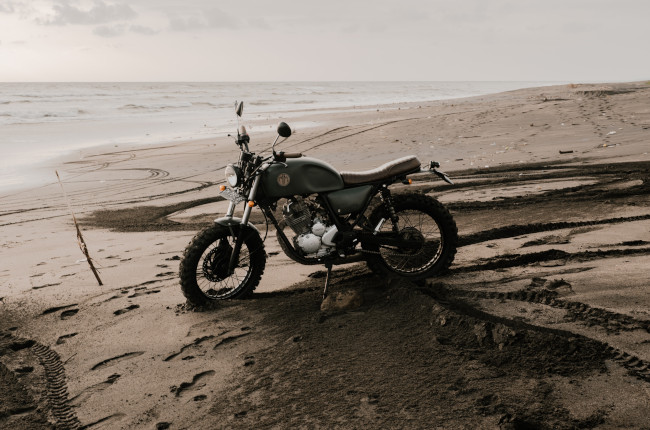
(343, 225)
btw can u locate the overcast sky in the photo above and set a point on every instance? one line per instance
(282, 40)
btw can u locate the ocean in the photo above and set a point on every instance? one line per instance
(41, 121)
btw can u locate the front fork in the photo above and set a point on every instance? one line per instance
(239, 241)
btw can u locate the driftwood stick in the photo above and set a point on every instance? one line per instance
(80, 238)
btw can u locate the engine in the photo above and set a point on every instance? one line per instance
(310, 223)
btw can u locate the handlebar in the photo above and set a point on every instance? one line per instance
(291, 154)
(282, 156)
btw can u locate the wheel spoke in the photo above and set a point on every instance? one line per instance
(211, 273)
(418, 223)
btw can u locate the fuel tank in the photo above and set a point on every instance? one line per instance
(300, 176)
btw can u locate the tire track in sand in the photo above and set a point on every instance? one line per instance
(55, 380)
(451, 299)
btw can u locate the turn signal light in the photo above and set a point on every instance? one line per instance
(222, 188)
(251, 204)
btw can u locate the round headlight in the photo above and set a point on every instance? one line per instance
(232, 175)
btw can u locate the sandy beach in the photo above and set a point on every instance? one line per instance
(543, 320)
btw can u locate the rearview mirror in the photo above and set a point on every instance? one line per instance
(284, 130)
(240, 108)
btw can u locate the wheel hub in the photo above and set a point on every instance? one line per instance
(215, 264)
(411, 234)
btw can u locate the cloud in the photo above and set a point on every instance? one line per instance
(216, 18)
(185, 24)
(7, 7)
(141, 29)
(11, 7)
(100, 13)
(121, 29)
(107, 31)
(210, 18)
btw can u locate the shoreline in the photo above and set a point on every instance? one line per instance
(76, 133)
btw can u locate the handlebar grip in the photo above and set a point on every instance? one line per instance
(291, 154)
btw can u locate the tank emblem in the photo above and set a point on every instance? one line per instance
(283, 179)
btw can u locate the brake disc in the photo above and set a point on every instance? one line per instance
(215, 264)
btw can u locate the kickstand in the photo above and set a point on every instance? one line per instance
(327, 278)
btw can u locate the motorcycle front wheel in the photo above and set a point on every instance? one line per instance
(204, 274)
(420, 218)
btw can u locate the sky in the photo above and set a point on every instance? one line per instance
(332, 40)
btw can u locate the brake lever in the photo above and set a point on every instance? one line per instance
(443, 176)
(432, 168)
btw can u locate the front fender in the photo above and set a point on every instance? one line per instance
(232, 222)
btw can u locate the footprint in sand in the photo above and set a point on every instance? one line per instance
(198, 341)
(194, 385)
(57, 308)
(38, 287)
(61, 340)
(125, 310)
(86, 393)
(142, 293)
(114, 360)
(69, 313)
(109, 419)
(21, 344)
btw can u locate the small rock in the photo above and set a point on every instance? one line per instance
(343, 300)
(482, 334)
(503, 335)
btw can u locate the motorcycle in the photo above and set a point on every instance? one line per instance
(322, 221)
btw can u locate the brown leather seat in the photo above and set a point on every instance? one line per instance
(389, 170)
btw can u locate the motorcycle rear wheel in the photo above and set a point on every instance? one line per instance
(204, 276)
(420, 218)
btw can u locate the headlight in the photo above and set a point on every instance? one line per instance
(233, 175)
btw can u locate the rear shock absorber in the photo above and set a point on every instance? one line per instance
(388, 202)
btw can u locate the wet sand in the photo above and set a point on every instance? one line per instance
(542, 322)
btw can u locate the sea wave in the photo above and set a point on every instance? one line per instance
(35, 117)
(156, 106)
